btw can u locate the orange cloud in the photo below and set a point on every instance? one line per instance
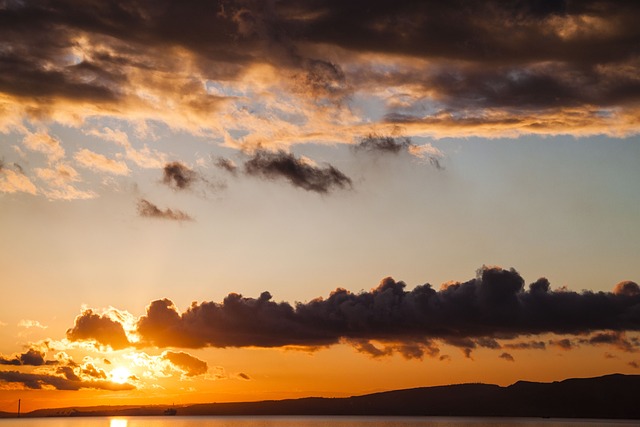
(91, 160)
(99, 328)
(191, 366)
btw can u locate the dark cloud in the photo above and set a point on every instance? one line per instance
(90, 370)
(69, 381)
(243, 376)
(384, 144)
(31, 357)
(634, 364)
(68, 373)
(469, 58)
(488, 342)
(226, 164)
(627, 288)
(282, 165)
(192, 366)
(99, 328)
(179, 176)
(614, 338)
(149, 210)
(507, 357)
(564, 344)
(492, 306)
(530, 345)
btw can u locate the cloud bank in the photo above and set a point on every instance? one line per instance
(443, 68)
(492, 310)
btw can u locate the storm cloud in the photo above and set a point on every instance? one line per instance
(299, 172)
(493, 306)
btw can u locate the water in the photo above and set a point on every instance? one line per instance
(266, 421)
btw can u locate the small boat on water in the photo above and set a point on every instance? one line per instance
(170, 411)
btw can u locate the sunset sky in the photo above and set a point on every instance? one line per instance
(241, 200)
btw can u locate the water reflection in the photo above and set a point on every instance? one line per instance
(118, 422)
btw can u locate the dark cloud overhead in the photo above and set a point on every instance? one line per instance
(300, 173)
(492, 307)
(149, 210)
(466, 57)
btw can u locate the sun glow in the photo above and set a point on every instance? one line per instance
(120, 375)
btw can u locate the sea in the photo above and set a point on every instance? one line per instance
(307, 421)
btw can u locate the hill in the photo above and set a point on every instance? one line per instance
(611, 396)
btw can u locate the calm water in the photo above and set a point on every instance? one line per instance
(307, 422)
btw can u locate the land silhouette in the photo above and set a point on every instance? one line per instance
(613, 396)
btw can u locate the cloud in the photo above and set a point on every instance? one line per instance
(563, 344)
(627, 288)
(493, 306)
(178, 176)
(144, 157)
(149, 210)
(68, 381)
(26, 323)
(95, 161)
(613, 338)
(243, 376)
(90, 326)
(507, 357)
(46, 144)
(59, 177)
(190, 365)
(384, 144)
(15, 181)
(300, 173)
(226, 164)
(32, 357)
(374, 143)
(530, 345)
(447, 68)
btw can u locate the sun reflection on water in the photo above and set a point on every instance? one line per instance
(118, 423)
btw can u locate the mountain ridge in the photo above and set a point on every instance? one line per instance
(613, 396)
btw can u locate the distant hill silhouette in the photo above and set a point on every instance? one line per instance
(611, 396)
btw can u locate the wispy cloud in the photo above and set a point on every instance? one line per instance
(27, 323)
(299, 172)
(149, 210)
(95, 161)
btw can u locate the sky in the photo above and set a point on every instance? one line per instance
(242, 200)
